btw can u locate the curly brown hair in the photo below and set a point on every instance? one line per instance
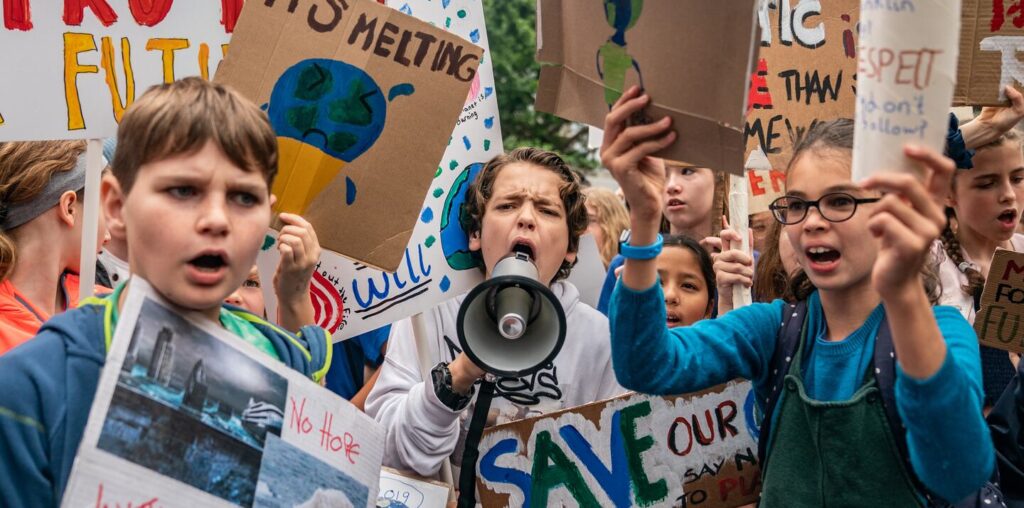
(571, 192)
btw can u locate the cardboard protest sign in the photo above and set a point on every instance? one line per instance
(634, 450)
(804, 75)
(905, 79)
(353, 298)
(401, 491)
(764, 183)
(188, 415)
(363, 99)
(991, 35)
(692, 56)
(73, 70)
(998, 323)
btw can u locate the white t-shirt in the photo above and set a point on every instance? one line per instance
(953, 279)
(422, 432)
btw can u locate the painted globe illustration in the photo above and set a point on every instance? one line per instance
(330, 105)
(326, 113)
(454, 238)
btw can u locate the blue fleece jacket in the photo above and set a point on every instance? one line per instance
(47, 386)
(949, 443)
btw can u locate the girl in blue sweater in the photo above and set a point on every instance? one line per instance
(861, 249)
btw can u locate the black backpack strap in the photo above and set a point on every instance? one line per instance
(884, 363)
(793, 317)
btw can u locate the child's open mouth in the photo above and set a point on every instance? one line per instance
(207, 268)
(524, 248)
(1008, 219)
(674, 204)
(822, 259)
(673, 320)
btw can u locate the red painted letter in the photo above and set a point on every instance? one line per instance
(17, 15)
(230, 9)
(74, 11)
(149, 12)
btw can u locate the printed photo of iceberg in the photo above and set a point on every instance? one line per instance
(190, 407)
(291, 478)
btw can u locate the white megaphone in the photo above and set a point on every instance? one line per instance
(511, 325)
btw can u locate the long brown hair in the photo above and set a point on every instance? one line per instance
(26, 167)
(770, 278)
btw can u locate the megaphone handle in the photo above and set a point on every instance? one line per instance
(471, 450)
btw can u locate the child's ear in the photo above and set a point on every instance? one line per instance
(570, 257)
(273, 200)
(707, 311)
(474, 241)
(112, 204)
(66, 208)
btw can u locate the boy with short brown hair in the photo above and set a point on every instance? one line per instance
(190, 193)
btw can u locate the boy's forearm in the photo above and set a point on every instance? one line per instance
(916, 336)
(294, 315)
(421, 431)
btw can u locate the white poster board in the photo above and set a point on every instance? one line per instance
(73, 67)
(353, 298)
(400, 491)
(189, 415)
(697, 449)
(907, 70)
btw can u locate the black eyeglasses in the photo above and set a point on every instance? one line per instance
(834, 207)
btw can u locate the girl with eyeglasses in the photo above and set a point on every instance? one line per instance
(872, 396)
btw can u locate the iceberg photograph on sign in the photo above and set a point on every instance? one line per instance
(185, 419)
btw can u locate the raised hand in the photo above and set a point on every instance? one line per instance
(992, 122)
(300, 252)
(732, 266)
(626, 152)
(907, 220)
(905, 224)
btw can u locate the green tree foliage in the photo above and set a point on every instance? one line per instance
(511, 32)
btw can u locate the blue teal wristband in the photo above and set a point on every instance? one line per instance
(643, 252)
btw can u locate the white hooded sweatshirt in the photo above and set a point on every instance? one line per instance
(422, 432)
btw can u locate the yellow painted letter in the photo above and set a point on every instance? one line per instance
(129, 76)
(168, 47)
(75, 43)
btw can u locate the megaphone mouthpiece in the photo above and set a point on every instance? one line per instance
(514, 307)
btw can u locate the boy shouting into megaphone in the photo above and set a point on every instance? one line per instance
(529, 202)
